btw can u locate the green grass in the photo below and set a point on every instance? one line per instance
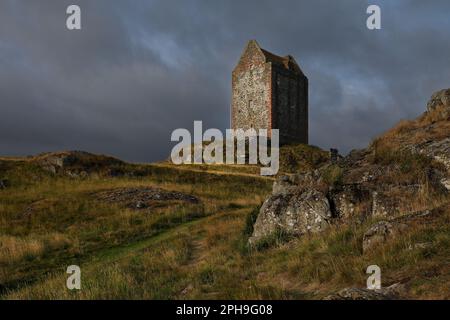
(333, 175)
(301, 158)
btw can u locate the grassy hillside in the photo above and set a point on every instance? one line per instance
(175, 249)
(49, 221)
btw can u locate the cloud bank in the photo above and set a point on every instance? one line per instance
(138, 70)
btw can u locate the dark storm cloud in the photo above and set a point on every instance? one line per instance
(137, 70)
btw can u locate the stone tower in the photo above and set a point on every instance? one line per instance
(270, 92)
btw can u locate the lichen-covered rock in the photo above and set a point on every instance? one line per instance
(439, 99)
(348, 200)
(389, 201)
(358, 294)
(284, 185)
(383, 205)
(293, 183)
(446, 183)
(380, 232)
(292, 213)
(392, 292)
(438, 150)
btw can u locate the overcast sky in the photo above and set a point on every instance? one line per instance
(139, 69)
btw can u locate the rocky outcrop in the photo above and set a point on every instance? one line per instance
(284, 185)
(440, 102)
(380, 232)
(398, 173)
(299, 204)
(383, 231)
(387, 200)
(76, 163)
(438, 150)
(141, 198)
(383, 205)
(292, 211)
(347, 201)
(446, 183)
(393, 292)
(358, 294)
(293, 183)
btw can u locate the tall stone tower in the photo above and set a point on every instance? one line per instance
(270, 92)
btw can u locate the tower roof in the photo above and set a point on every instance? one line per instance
(287, 62)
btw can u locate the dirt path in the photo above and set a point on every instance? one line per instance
(198, 252)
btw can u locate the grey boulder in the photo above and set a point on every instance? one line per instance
(292, 213)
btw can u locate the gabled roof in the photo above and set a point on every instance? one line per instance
(288, 62)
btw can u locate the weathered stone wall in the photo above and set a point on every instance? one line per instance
(251, 92)
(290, 105)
